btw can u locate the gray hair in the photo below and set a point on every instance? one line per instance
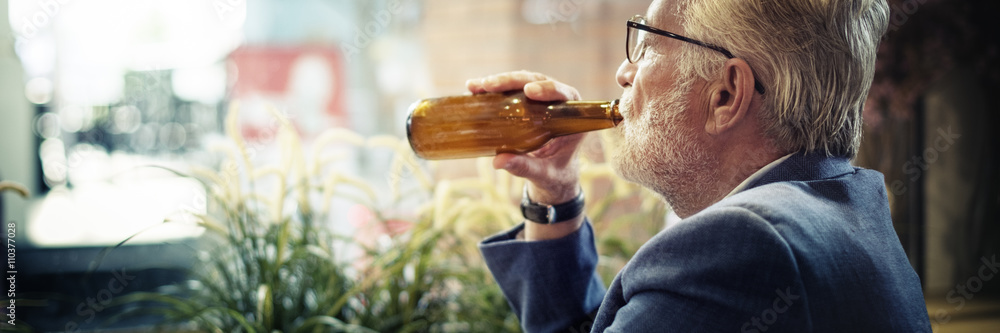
(816, 59)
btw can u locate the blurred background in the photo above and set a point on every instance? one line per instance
(90, 91)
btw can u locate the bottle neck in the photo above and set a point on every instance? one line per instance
(582, 116)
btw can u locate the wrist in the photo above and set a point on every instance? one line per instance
(552, 195)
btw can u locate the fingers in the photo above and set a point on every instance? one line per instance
(550, 182)
(535, 85)
(553, 164)
(503, 82)
(551, 90)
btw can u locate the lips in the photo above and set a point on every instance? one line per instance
(625, 107)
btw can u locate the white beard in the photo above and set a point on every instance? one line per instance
(660, 153)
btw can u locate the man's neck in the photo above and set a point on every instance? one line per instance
(735, 166)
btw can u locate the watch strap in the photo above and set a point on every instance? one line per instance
(549, 214)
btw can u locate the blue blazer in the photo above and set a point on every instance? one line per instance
(807, 247)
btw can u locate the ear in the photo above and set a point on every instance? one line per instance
(730, 98)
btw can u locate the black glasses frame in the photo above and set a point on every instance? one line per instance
(638, 22)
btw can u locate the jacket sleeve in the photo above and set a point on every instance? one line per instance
(727, 270)
(551, 285)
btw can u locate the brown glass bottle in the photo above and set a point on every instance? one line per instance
(488, 124)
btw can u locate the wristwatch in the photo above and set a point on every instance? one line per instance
(549, 214)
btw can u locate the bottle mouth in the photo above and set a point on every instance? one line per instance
(615, 115)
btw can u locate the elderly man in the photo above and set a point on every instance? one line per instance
(743, 115)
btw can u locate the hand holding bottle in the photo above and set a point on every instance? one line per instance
(491, 123)
(553, 171)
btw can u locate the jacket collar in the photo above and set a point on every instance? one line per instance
(805, 167)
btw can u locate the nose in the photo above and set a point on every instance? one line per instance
(626, 74)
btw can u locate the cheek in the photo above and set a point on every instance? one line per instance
(637, 106)
(655, 72)
(641, 130)
(651, 94)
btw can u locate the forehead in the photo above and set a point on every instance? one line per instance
(663, 14)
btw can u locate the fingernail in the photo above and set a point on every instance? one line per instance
(532, 89)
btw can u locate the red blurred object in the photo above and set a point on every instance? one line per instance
(305, 83)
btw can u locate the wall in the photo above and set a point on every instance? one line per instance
(582, 45)
(16, 140)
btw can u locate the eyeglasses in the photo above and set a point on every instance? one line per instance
(634, 47)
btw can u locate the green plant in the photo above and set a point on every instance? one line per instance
(273, 264)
